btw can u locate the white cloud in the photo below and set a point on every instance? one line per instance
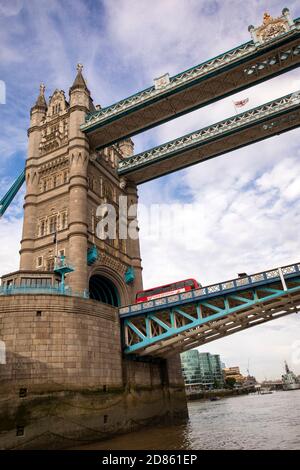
(11, 8)
(245, 219)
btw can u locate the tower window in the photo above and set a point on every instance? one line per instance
(50, 264)
(65, 177)
(53, 224)
(39, 262)
(64, 220)
(43, 228)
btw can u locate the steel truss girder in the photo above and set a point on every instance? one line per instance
(11, 193)
(228, 73)
(166, 332)
(262, 122)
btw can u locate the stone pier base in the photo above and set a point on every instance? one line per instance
(65, 382)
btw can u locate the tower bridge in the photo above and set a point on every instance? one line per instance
(67, 316)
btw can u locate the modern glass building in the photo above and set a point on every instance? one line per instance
(191, 368)
(203, 370)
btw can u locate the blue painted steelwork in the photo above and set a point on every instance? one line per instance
(11, 193)
(92, 255)
(62, 267)
(129, 275)
(214, 290)
(157, 326)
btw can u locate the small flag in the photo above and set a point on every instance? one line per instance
(241, 103)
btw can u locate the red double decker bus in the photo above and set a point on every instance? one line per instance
(167, 289)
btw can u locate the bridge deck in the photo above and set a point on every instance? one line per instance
(228, 73)
(180, 322)
(260, 123)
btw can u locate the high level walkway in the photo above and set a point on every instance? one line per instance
(259, 123)
(274, 49)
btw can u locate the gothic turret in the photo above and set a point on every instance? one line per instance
(79, 81)
(41, 103)
(78, 159)
(38, 111)
(37, 117)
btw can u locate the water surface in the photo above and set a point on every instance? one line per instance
(242, 422)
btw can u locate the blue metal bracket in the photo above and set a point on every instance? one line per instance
(92, 255)
(129, 275)
(62, 267)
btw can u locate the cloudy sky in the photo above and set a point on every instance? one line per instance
(245, 213)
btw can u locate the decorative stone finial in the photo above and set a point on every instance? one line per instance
(272, 27)
(123, 183)
(42, 89)
(41, 102)
(79, 81)
(267, 18)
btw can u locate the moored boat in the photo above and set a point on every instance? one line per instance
(289, 379)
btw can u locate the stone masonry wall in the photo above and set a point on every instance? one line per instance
(65, 352)
(59, 341)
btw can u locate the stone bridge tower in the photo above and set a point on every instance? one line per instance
(66, 181)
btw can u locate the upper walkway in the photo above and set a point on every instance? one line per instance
(262, 122)
(274, 49)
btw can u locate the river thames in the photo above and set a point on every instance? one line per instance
(240, 422)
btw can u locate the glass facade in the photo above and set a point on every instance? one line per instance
(191, 368)
(202, 369)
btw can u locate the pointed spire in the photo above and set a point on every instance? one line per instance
(41, 102)
(79, 81)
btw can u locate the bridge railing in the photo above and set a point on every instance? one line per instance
(41, 290)
(207, 133)
(221, 288)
